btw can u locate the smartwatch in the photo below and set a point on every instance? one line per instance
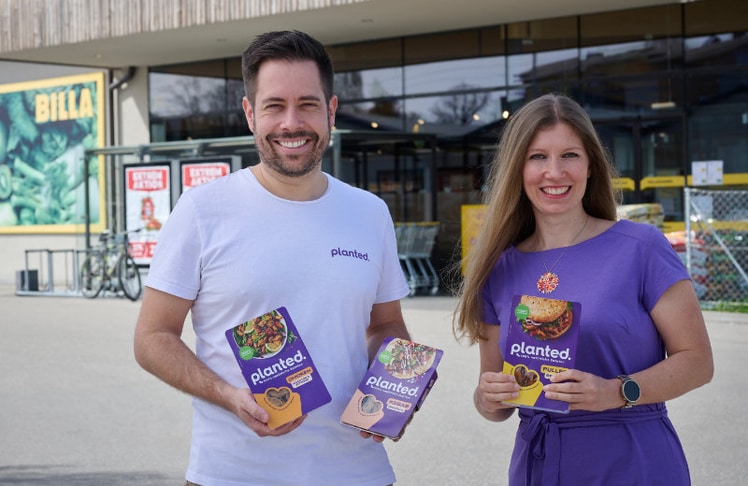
(630, 391)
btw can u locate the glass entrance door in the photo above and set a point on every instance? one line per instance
(649, 157)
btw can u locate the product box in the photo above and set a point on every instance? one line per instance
(541, 341)
(277, 366)
(394, 387)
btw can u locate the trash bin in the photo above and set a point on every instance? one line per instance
(31, 285)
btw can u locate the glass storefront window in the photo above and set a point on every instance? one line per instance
(463, 74)
(543, 50)
(383, 114)
(624, 96)
(718, 122)
(234, 94)
(639, 57)
(717, 50)
(453, 114)
(180, 95)
(538, 67)
(369, 83)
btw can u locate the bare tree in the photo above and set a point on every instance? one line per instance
(460, 107)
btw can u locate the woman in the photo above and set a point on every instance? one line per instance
(551, 232)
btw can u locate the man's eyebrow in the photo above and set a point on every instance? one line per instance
(271, 99)
(279, 99)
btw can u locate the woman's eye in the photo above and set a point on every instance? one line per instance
(571, 155)
(537, 156)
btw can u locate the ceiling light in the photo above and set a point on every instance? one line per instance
(663, 105)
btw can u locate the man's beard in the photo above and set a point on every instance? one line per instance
(292, 165)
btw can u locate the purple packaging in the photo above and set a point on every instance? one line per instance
(394, 387)
(277, 366)
(541, 341)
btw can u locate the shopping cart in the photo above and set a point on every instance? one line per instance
(414, 244)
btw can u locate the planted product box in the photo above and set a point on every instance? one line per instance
(394, 388)
(541, 341)
(277, 366)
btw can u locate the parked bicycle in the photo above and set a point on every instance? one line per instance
(109, 267)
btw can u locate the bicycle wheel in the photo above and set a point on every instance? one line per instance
(92, 275)
(129, 278)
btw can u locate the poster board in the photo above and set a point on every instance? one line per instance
(473, 216)
(196, 171)
(45, 128)
(148, 202)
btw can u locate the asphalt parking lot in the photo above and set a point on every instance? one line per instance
(75, 409)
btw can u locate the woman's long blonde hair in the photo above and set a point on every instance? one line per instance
(509, 214)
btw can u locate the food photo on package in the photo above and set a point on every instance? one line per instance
(541, 341)
(393, 388)
(277, 366)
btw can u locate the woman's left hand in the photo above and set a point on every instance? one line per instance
(584, 391)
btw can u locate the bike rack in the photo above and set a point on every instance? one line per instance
(56, 273)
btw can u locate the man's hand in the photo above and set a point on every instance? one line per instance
(244, 406)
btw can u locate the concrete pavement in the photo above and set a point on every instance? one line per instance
(75, 409)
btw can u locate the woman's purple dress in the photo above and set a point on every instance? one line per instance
(617, 277)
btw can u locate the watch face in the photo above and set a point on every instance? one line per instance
(631, 391)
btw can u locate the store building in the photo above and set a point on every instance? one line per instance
(424, 91)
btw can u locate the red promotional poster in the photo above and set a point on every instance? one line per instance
(195, 174)
(148, 204)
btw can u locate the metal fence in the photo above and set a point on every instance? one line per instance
(716, 251)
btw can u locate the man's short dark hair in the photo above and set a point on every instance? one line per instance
(289, 45)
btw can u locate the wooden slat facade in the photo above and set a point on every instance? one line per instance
(32, 24)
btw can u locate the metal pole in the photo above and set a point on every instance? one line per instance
(87, 201)
(687, 200)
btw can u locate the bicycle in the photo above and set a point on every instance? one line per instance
(109, 266)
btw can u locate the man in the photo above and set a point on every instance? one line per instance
(268, 236)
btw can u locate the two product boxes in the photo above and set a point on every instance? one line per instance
(284, 381)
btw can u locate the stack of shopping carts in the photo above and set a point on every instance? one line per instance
(414, 244)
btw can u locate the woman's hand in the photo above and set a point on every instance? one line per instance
(494, 388)
(585, 391)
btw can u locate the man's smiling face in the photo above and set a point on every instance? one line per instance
(290, 118)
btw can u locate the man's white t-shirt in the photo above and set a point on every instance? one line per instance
(239, 251)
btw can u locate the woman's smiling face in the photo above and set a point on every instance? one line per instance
(555, 171)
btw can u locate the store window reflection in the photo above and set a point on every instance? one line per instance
(718, 123)
(175, 94)
(489, 72)
(382, 115)
(369, 83)
(558, 65)
(454, 113)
